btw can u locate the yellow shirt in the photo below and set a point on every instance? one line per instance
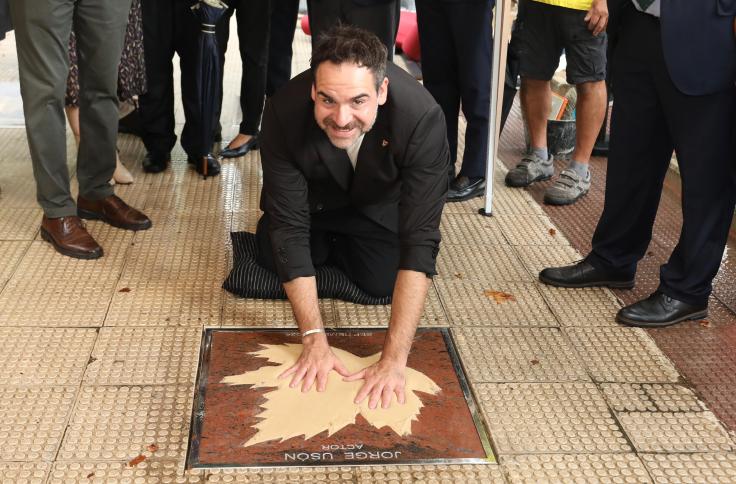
(574, 4)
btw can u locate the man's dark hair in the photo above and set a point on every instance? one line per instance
(346, 43)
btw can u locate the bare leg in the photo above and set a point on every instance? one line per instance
(239, 140)
(590, 110)
(535, 105)
(72, 115)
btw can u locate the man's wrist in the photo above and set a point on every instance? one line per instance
(310, 338)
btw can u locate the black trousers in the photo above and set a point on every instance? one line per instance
(283, 25)
(254, 20)
(456, 40)
(367, 252)
(650, 119)
(169, 28)
(382, 19)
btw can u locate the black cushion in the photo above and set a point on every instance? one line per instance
(248, 279)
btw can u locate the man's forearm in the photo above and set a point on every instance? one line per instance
(302, 294)
(410, 292)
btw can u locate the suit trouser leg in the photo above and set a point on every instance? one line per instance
(471, 26)
(640, 150)
(100, 27)
(440, 64)
(254, 30)
(156, 106)
(283, 26)
(381, 19)
(42, 32)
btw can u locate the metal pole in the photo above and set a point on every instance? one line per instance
(498, 23)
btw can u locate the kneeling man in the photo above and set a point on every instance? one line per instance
(355, 173)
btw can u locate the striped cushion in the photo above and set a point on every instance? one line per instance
(248, 279)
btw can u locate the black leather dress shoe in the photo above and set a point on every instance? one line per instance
(155, 162)
(583, 274)
(464, 188)
(213, 166)
(659, 310)
(242, 150)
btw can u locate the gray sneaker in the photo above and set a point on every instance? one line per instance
(567, 189)
(531, 169)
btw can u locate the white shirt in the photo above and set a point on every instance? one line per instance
(354, 149)
(652, 9)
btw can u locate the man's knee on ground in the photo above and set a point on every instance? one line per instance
(377, 285)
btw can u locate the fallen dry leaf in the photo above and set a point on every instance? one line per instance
(704, 323)
(535, 362)
(499, 296)
(136, 460)
(90, 475)
(552, 232)
(152, 448)
(125, 289)
(459, 275)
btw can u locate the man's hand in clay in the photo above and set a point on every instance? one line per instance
(382, 380)
(315, 363)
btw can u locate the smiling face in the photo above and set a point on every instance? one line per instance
(346, 101)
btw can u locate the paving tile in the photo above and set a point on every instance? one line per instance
(24, 472)
(589, 306)
(626, 397)
(538, 257)
(246, 220)
(531, 230)
(296, 474)
(529, 418)
(677, 468)
(144, 356)
(148, 471)
(490, 263)
(467, 304)
(119, 423)
(206, 229)
(248, 180)
(10, 255)
(33, 421)
(517, 355)
(604, 468)
(19, 223)
(196, 194)
(267, 313)
(44, 356)
(626, 355)
(473, 230)
(675, 432)
(446, 474)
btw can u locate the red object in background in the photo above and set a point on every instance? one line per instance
(407, 38)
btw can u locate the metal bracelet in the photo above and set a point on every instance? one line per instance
(312, 331)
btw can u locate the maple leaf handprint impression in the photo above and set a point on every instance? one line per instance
(289, 413)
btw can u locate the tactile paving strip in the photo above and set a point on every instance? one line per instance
(538, 257)
(144, 356)
(677, 468)
(120, 423)
(491, 263)
(517, 355)
(530, 230)
(24, 472)
(608, 468)
(675, 432)
(195, 194)
(529, 418)
(467, 304)
(246, 220)
(201, 228)
(10, 255)
(19, 223)
(470, 230)
(33, 421)
(589, 306)
(446, 474)
(625, 355)
(298, 474)
(44, 356)
(625, 397)
(267, 313)
(122, 473)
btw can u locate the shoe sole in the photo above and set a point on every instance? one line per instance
(87, 215)
(611, 284)
(643, 324)
(563, 201)
(522, 185)
(467, 197)
(69, 253)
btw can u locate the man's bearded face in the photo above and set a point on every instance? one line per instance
(346, 101)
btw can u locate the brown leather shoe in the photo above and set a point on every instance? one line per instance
(69, 237)
(114, 211)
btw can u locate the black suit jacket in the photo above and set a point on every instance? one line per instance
(400, 181)
(699, 44)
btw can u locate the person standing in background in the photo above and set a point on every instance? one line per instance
(283, 25)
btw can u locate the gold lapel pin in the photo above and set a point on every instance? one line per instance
(384, 143)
